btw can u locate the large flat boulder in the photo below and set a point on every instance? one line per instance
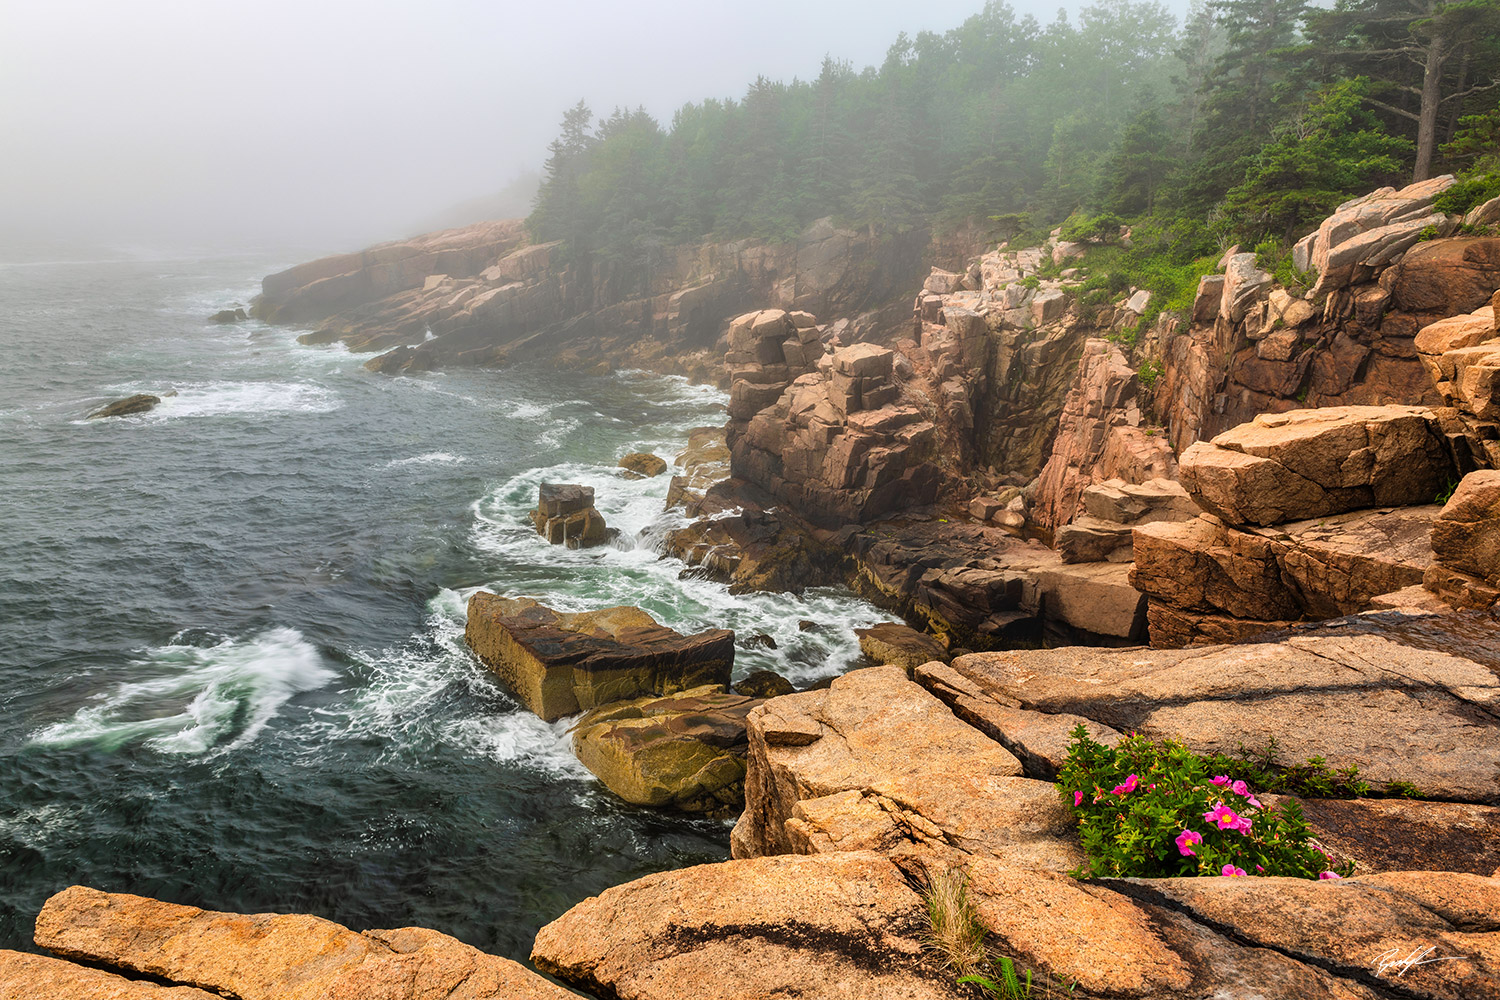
(1311, 463)
(841, 926)
(684, 751)
(269, 956)
(852, 925)
(875, 762)
(560, 664)
(1353, 696)
(1386, 835)
(36, 977)
(1376, 928)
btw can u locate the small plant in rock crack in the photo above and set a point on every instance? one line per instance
(1156, 810)
(957, 933)
(1006, 983)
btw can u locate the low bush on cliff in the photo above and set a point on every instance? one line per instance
(1156, 810)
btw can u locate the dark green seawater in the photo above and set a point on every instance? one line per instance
(232, 671)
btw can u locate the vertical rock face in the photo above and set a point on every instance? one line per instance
(559, 664)
(828, 434)
(479, 295)
(1100, 436)
(1462, 354)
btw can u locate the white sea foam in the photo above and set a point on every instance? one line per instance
(409, 695)
(189, 699)
(430, 458)
(230, 399)
(632, 571)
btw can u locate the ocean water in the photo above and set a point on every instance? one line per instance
(232, 669)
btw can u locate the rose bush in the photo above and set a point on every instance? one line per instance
(1155, 810)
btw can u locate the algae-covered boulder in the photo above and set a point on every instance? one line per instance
(643, 464)
(685, 751)
(559, 664)
(141, 402)
(900, 645)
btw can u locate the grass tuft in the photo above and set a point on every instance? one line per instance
(957, 933)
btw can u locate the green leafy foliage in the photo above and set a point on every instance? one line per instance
(1154, 810)
(1006, 982)
(1148, 373)
(1264, 769)
(1467, 194)
(1260, 115)
(1313, 161)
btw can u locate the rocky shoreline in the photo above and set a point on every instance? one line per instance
(1273, 522)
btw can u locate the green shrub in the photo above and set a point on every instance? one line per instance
(1103, 228)
(1467, 194)
(1155, 810)
(1150, 370)
(1265, 770)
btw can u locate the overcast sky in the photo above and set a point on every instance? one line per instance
(337, 122)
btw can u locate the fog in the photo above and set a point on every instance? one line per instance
(328, 124)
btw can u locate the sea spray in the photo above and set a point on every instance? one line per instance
(189, 699)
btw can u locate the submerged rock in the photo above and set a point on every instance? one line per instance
(266, 956)
(684, 751)
(229, 316)
(139, 403)
(560, 664)
(764, 684)
(643, 464)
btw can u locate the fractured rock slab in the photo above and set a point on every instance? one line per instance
(847, 926)
(876, 762)
(1397, 712)
(1311, 463)
(269, 956)
(559, 664)
(36, 977)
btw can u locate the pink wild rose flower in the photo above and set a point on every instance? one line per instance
(1325, 876)
(1223, 817)
(1220, 780)
(1077, 799)
(1230, 871)
(1186, 840)
(1243, 791)
(1128, 786)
